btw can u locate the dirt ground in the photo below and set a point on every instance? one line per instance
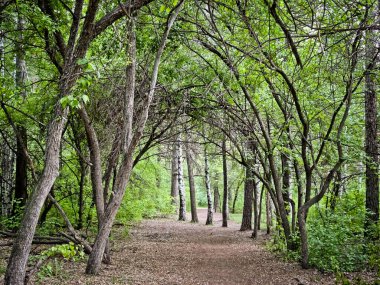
(165, 251)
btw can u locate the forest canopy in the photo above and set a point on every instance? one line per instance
(268, 108)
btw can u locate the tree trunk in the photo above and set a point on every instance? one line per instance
(268, 208)
(181, 185)
(371, 141)
(285, 180)
(210, 210)
(246, 223)
(83, 173)
(15, 273)
(255, 210)
(174, 174)
(260, 207)
(303, 236)
(193, 198)
(122, 178)
(125, 169)
(225, 185)
(21, 181)
(216, 195)
(7, 163)
(235, 199)
(336, 190)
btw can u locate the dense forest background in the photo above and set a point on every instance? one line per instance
(263, 110)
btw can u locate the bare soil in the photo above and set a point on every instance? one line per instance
(165, 251)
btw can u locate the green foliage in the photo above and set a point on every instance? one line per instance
(68, 251)
(336, 239)
(13, 221)
(341, 279)
(148, 194)
(373, 248)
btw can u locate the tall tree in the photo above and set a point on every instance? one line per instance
(246, 222)
(181, 185)
(210, 208)
(21, 178)
(174, 175)
(65, 57)
(225, 184)
(371, 138)
(190, 171)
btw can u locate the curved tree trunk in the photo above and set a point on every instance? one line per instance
(15, 273)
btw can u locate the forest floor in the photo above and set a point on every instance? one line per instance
(165, 251)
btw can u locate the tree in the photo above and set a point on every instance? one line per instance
(181, 185)
(371, 139)
(190, 170)
(210, 209)
(66, 62)
(225, 184)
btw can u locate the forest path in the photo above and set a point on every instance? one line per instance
(165, 251)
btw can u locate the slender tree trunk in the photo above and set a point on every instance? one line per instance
(235, 199)
(210, 210)
(268, 208)
(193, 198)
(285, 180)
(336, 190)
(6, 154)
(260, 207)
(7, 163)
(216, 196)
(122, 178)
(181, 185)
(255, 210)
(174, 174)
(246, 223)
(225, 185)
(83, 173)
(21, 179)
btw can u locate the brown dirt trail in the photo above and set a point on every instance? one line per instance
(165, 251)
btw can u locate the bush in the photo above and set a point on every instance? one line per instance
(336, 239)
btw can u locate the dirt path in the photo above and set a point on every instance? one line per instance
(167, 252)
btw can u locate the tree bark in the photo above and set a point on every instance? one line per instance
(246, 223)
(21, 179)
(260, 207)
(371, 140)
(216, 196)
(6, 183)
(255, 210)
(225, 185)
(181, 185)
(15, 273)
(210, 210)
(268, 208)
(193, 198)
(174, 175)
